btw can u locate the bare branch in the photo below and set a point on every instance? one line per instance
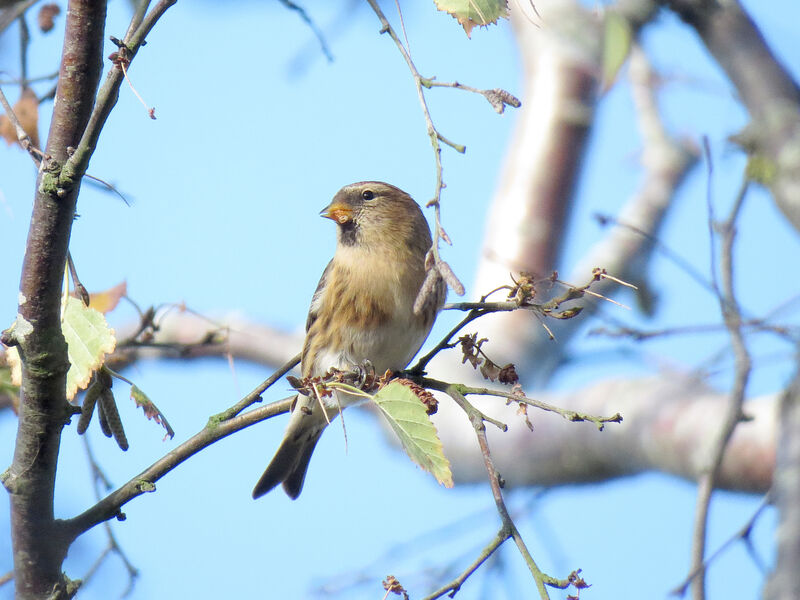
(509, 530)
(37, 331)
(652, 407)
(669, 421)
(435, 137)
(23, 138)
(733, 416)
(183, 334)
(784, 582)
(113, 546)
(531, 204)
(14, 12)
(6, 578)
(454, 586)
(311, 25)
(110, 506)
(108, 94)
(766, 89)
(742, 535)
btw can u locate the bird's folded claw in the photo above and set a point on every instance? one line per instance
(365, 374)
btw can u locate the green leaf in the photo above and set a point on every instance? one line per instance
(470, 13)
(89, 339)
(617, 39)
(407, 415)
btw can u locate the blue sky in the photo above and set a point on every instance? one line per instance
(225, 188)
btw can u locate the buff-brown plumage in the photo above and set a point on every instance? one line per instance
(362, 310)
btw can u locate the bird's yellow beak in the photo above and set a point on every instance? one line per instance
(338, 211)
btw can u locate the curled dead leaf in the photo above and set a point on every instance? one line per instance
(47, 15)
(26, 110)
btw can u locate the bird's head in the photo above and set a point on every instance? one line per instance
(375, 214)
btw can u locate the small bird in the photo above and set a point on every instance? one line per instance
(362, 310)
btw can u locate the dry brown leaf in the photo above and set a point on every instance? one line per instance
(47, 15)
(27, 111)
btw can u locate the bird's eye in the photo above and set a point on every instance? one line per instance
(367, 195)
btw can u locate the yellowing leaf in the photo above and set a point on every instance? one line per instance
(89, 339)
(470, 13)
(27, 111)
(107, 300)
(617, 39)
(407, 415)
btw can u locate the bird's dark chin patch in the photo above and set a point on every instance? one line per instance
(348, 233)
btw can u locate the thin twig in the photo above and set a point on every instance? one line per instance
(786, 332)
(255, 395)
(445, 342)
(521, 301)
(107, 186)
(22, 137)
(19, 81)
(744, 535)
(665, 250)
(711, 220)
(13, 12)
(107, 96)
(110, 506)
(569, 415)
(456, 393)
(218, 427)
(98, 478)
(24, 42)
(433, 134)
(80, 289)
(497, 97)
(311, 25)
(151, 111)
(508, 524)
(137, 18)
(344, 584)
(508, 529)
(4, 579)
(733, 321)
(454, 586)
(402, 24)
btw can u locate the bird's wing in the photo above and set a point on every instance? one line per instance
(316, 299)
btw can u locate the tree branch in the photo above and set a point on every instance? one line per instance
(215, 430)
(733, 415)
(784, 582)
(109, 93)
(766, 89)
(435, 137)
(669, 421)
(648, 439)
(39, 544)
(509, 529)
(530, 209)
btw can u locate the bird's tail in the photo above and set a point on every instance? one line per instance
(290, 463)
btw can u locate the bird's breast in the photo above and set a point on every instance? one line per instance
(366, 313)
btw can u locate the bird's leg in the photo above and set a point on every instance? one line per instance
(365, 374)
